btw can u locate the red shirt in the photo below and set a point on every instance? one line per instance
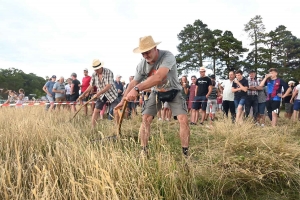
(85, 83)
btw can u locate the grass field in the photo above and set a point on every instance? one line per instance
(45, 156)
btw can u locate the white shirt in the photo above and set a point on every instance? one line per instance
(68, 89)
(227, 94)
(298, 88)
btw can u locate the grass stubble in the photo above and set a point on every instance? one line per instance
(45, 156)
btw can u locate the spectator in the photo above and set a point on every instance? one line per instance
(296, 108)
(60, 91)
(75, 85)
(228, 95)
(120, 90)
(106, 89)
(131, 107)
(274, 86)
(194, 113)
(212, 101)
(287, 100)
(185, 88)
(85, 84)
(203, 90)
(261, 98)
(239, 88)
(68, 89)
(48, 88)
(252, 93)
(20, 97)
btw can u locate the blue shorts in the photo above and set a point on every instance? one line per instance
(50, 99)
(239, 102)
(200, 101)
(297, 104)
(261, 108)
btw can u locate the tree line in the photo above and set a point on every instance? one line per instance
(278, 48)
(14, 79)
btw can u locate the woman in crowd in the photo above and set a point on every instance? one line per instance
(194, 113)
(20, 97)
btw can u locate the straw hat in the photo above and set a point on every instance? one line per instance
(202, 69)
(97, 64)
(146, 43)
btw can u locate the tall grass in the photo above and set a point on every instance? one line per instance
(45, 156)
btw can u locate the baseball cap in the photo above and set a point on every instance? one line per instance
(53, 76)
(118, 75)
(86, 69)
(252, 71)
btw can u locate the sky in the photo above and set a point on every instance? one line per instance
(59, 37)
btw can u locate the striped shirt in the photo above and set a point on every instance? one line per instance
(107, 78)
(252, 83)
(213, 94)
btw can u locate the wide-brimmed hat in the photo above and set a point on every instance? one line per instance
(145, 44)
(291, 82)
(202, 69)
(97, 64)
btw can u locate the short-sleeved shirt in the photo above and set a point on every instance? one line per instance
(262, 95)
(240, 94)
(228, 95)
(203, 84)
(68, 89)
(214, 93)
(165, 59)
(120, 87)
(85, 83)
(49, 85)
(274, 87)
(59, 86)
(75, 87)
(107, 78)
(252, 83)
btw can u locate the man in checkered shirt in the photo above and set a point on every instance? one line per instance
(103, 79)
(252, 95)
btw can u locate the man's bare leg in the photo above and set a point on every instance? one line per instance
(203, 115)
(274, 118)
(145, 130)
(95, 117)
(239, 114)
(184, 130)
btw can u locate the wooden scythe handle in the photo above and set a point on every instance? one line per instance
(121, 113)
(94, 97)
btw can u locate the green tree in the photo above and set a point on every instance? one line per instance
(213, 49)
(14, 79)
(193, 41)
(231, 52)
(255, 29)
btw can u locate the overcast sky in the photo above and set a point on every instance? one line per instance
(64, 36)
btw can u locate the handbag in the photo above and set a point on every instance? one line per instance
(167, 96)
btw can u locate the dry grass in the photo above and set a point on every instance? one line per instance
(44, 156)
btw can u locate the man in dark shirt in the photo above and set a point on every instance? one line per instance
(74, 91)
(239, 88)
(202, 91)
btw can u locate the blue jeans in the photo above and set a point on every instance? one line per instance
(239, 102)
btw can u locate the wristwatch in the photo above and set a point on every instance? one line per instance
(136, 89)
